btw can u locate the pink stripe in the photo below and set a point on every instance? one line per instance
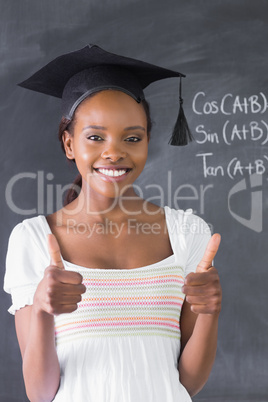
(123, 303)
(115, 324)
(140, 282)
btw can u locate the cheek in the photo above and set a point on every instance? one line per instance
(143, 153)
(141, 158)
(83, 153)
(85, 157)
(83, 161)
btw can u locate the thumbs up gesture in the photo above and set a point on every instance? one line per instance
(59, 291)
(202, 288)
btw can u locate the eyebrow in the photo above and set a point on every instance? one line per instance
(105, 128)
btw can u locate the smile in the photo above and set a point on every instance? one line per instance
(114, 174)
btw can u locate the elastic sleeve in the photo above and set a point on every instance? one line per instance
(198, 237)
(24, 267)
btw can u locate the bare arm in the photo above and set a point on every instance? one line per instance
(199, 321)
(199, 352)
(41, 370)
(58, 292)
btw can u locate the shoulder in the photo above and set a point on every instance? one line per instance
(187, 222)
(190, 234)
(28, 227)
(26, 256)
(28, 237)
(24, 227)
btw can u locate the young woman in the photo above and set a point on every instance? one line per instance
(115, 298)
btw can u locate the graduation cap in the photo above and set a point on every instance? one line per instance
(75, 75)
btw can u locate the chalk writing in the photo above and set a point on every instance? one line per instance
(254, 131)
(253, 128)
(234, 167)
(230, 104)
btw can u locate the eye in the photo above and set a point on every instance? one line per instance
(133, 139)
(94, 138)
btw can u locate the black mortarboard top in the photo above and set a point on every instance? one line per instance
(76, 75)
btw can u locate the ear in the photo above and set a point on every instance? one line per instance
(67, 140)
(149, 137)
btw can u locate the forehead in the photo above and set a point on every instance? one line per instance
(110, 104)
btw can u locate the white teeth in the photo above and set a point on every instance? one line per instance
(111, 172)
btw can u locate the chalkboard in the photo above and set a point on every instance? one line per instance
(221, 46)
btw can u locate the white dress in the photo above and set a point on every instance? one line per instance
(122, 343)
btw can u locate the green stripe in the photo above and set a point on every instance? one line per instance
(113, 333)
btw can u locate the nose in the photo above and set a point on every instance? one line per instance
(114, 152)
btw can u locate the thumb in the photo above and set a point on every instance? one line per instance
(54, 251)
(210, 252)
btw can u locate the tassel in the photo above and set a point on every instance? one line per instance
(181, 134)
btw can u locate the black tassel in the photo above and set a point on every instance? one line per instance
(181, 134)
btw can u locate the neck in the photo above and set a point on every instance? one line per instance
(90, 205)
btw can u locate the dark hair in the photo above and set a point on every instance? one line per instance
(68, 125)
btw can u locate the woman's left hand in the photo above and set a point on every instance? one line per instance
(202, 288)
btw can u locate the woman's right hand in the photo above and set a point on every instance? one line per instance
(59, 291)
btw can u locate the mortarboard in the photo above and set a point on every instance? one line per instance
(74, 76)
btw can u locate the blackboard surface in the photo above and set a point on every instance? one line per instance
(221, 46)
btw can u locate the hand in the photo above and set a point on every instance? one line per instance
(59, 291)
(202, 288)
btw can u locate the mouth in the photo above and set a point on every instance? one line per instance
(112, 174)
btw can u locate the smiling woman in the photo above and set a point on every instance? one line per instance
(115, 298)
(109, 131)
(67, 125)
